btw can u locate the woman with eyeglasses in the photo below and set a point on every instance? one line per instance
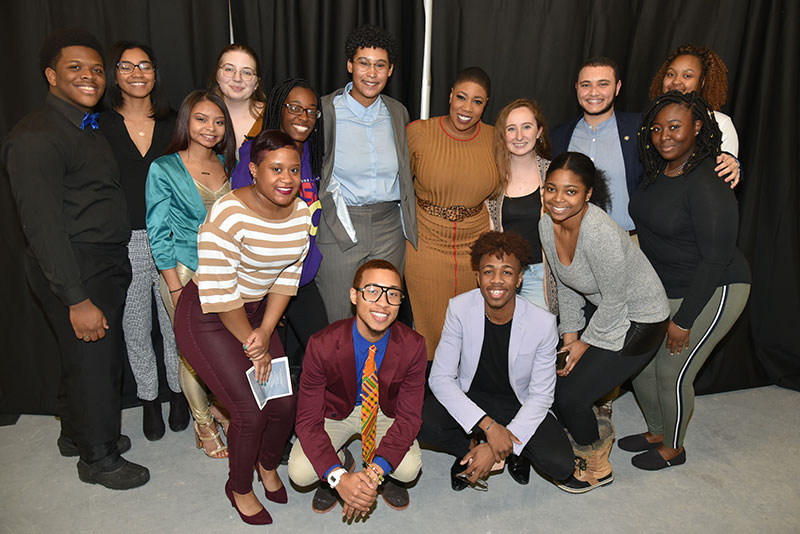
(295, 108)
(138, 124)
(237, 79)
(180, 189)
(253, 241)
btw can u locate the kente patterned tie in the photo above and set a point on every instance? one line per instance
(369, 407)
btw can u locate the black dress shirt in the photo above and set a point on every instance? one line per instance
(66, 186)
(133, 166)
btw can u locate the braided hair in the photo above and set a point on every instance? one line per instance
(713, 83)
(272, 119)
(707, 142)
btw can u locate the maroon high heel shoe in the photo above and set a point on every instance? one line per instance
(261, 518)
(277, 496)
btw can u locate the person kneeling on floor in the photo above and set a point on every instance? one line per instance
(493, 376)
(344, 368)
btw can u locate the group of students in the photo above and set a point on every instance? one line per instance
(246, 210)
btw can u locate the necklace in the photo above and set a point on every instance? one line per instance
(140, 125)
(677, 172)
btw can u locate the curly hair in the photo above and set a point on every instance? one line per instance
(382, 265)
(500, 244)
(180, 138)
(369, 36)
(475, 75)
(501, 153)
(592, 177)
(50, 53)
(274, 112)
(258, 92)
(713, 83)
(707, 142)
(158, 97)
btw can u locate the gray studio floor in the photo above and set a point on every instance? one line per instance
(742, 475)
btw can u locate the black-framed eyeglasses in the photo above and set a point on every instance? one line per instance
(127, 67)
(311, 113)
(229, 71)
(373, 292)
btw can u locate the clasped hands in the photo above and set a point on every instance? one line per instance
(480, 459)
(256, 348)
(359, 491)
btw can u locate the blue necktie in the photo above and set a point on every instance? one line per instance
(90, 119)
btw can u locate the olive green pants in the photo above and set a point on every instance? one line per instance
(665, 388)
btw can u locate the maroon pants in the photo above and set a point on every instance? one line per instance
(218, 359)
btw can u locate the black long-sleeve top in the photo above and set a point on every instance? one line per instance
(66, 186)
(687, 228)
(133, 166)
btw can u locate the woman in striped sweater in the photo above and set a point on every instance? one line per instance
(251, 250)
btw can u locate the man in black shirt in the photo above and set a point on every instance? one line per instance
(66, 186)
(494, 375)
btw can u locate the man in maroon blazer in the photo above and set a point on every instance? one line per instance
(329, 401)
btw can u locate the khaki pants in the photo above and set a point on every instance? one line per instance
(302, 473)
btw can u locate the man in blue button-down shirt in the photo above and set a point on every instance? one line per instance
(366, 192)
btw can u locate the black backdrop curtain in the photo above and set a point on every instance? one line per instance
(530, 48)
(305, 38)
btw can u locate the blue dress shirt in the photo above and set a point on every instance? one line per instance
(365, 162)
(603, 147)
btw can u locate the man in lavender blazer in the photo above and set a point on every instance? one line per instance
(493, 375)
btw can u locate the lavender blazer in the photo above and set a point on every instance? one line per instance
(531, 363)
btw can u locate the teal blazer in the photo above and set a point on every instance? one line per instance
(175, 212)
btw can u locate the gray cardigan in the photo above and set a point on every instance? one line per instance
(408, 204)
(609, 271)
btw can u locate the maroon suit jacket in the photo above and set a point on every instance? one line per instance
(328, 389)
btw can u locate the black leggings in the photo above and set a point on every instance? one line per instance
(598, 372)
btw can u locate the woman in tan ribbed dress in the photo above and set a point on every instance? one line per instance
(452, 161)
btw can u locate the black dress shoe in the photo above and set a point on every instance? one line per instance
(152, 420)
(178, 412)
(519, 468)
(69, 449)
(456, 482)
(120, 475)
(325, 498)
(395, 494)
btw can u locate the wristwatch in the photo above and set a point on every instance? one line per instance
(335, 476)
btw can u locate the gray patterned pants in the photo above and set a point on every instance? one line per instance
(137, 322)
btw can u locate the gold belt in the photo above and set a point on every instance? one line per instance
(450, 213)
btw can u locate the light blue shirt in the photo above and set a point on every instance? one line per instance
(603, 147)
(365, 162)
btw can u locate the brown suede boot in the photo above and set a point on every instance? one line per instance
(592, 468)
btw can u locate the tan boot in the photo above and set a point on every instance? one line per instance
(592, 468)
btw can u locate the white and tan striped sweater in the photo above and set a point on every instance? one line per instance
(242, 256)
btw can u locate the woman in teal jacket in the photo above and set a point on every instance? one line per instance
(180, 189)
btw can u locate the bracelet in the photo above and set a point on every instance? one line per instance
(377, 474)
(681, 328)
(488, 427)
(175, 290)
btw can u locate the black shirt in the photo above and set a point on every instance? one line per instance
(521, 215)
(66, 185)
(687, 227)
(133, 166)
(491, 377)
